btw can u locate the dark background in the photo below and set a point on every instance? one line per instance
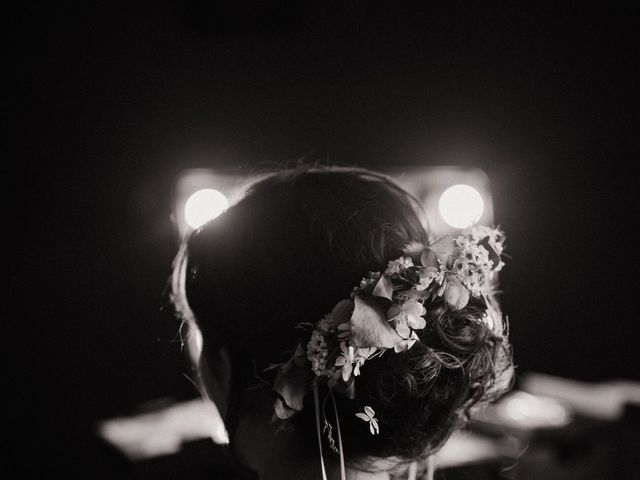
(108, 103)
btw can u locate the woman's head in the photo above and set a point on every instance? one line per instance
(286, 254)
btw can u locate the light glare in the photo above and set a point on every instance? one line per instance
(204, 205)
(461, 206)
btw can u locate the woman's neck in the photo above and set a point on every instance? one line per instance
(278, 454)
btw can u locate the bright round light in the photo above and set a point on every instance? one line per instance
(461, 206)
(204, 205)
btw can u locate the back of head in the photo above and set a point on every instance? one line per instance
(286, 254)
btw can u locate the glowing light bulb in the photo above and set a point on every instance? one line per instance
(204, 205)
(461, 206)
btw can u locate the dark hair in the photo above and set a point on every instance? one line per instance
(294, 246)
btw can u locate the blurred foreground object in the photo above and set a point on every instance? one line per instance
(549, 428)
(163, 432)
(558, 428)
(522, 412)
(605, 401)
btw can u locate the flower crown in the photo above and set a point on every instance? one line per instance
(384, 312)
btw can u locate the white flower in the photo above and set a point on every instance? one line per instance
(427, 276)
(478, 232)
(470, 252)
(405, 315)
(398, 265)
(351, 359)
(348, 359)
(472, 267)
(369, 416)
(460, 266)
(462, 242)
(483, 256)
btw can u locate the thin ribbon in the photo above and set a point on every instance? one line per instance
(343, 474)
(413, 471)
(431, 468)
(316, 402)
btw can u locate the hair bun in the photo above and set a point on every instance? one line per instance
(296, 245)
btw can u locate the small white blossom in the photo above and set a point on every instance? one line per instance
(427, 276)
(369, 416)
(347, 359)
(405, 315)
(398, 265)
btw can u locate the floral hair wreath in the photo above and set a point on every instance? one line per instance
(383, 313)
